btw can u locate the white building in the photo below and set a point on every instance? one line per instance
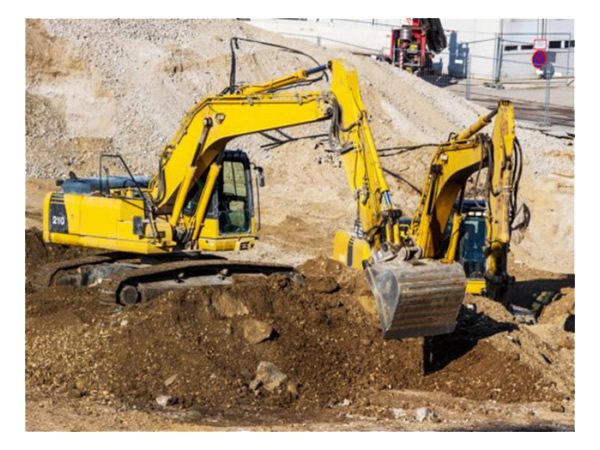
(496, 48)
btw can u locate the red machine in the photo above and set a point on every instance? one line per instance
(415, 44)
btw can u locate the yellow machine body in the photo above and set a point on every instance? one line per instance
(452, 165)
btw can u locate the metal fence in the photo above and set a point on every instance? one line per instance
(511, 62)
(503, 58)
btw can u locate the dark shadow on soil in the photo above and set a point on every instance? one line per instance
(523, 293)
(439, 351)
(542, 426)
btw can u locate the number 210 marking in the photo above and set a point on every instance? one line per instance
(58, 220)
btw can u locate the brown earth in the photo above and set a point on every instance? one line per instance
(190, 346)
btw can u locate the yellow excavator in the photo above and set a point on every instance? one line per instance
(202, 199)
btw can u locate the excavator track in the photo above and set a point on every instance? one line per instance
(127, 281)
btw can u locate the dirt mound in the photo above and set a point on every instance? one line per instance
(560, 310)
(38, 254)
(193, 347)
(35, 249)
(128, 355)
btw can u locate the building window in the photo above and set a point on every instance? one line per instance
(555, 44)
(527, 47)
(510, 48)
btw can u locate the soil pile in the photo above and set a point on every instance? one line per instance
(195, 348)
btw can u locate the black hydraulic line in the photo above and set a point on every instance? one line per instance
(271, 138)
(278, 130)
(277, 143)
(234, 45)
(336, 127)
(398, 150)
(404, 180)
(257, 197)
(515, 194)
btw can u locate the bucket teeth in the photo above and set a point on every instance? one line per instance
(420, 298)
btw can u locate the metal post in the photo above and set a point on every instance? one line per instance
(318, 41)
(547, 101)
(496, 57)
(498, 60)
(501, 52)
(468, 83)
(569, 57)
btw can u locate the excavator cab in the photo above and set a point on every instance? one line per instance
(229, 221)
(471, 241)
(469, 250)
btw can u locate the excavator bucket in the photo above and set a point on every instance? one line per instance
(419, 298)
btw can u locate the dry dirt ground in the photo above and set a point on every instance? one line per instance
(91, 366)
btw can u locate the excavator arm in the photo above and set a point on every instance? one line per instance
(453, 164)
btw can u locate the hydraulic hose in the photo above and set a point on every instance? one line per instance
(234, 45)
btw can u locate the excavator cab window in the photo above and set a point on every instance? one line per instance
(471, 239)
(234, 198)
(471, 244)
(231, 200)
(189, 209)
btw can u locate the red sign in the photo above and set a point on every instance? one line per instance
(538, 59)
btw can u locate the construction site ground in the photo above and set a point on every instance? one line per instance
(187, 360)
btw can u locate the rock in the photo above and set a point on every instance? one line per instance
(256, 331)
(557, 407)
(322, 284)
(227, 306)
(422, 414)
(164, 400)
(269, 375)
(346, 402)
(292, 389)
(169, 381)
(398, 413)
(255, 384)
(80, 384)
(75, 393)
(124, 322)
